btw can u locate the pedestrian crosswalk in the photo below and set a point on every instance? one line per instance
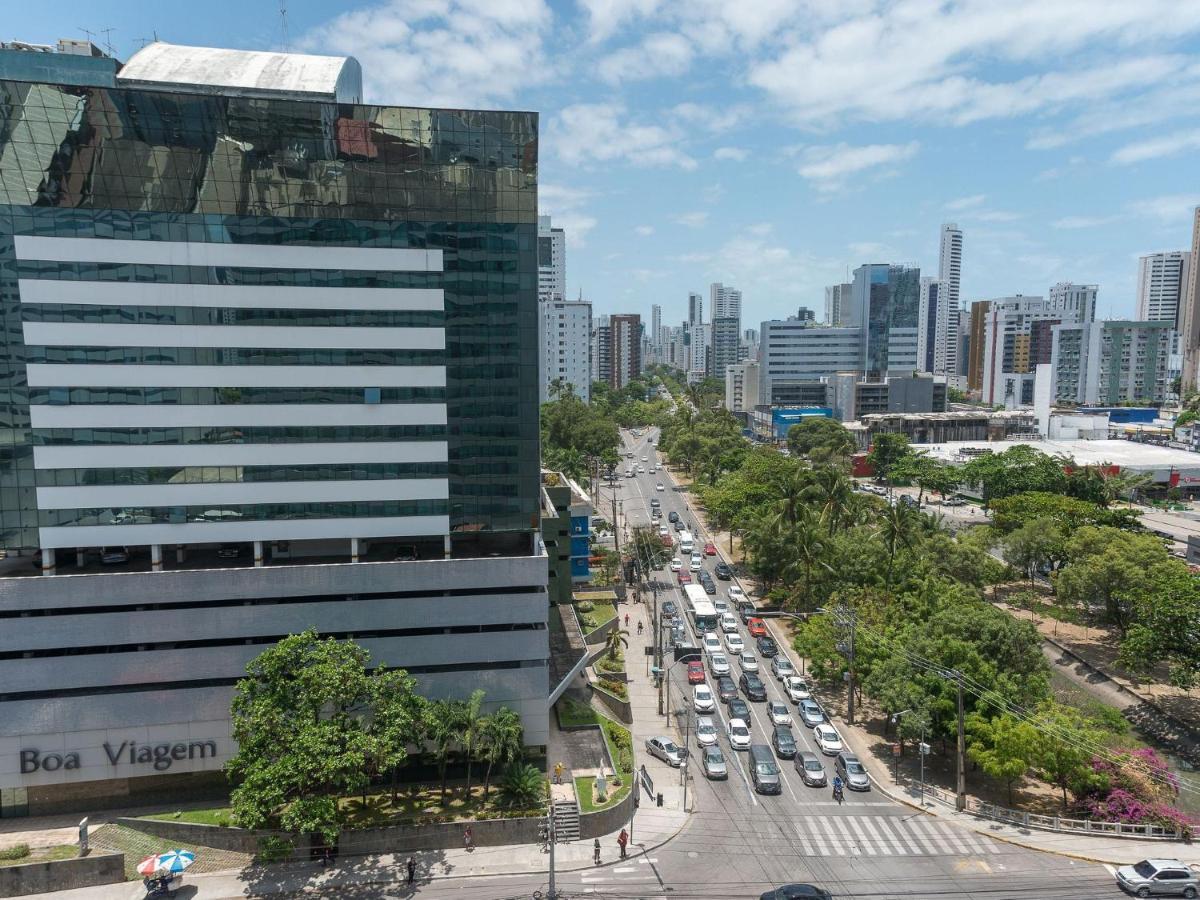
(887, 836)
(635, 874)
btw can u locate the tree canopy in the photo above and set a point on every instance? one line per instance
(820, 436)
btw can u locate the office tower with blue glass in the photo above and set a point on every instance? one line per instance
(270, 363)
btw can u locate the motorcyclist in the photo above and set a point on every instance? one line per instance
(837, 788)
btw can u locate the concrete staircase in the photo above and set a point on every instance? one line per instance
(566, 820)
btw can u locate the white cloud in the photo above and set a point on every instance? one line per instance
(660, 54)
(566, 206)
(691, 219)
(607, 16)
(644, 230)
(966, 202)
(453, 53)
(737, 154)
(872, 251)
(713, 119)
(828, 165)
(1167, 145)
(765, 268)
(1170, 209)
(599, 132)
(1075, 222)
(934, 60)
(993, 215)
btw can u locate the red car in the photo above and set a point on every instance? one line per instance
(685, 577)
(757, 627)
(695, 672)
(710, 549)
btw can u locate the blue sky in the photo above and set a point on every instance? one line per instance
(775, 144)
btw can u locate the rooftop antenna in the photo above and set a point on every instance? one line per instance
(91, 35)
(108, 47)
(283, 23)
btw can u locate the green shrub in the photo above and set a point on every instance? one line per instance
(17, 851)
(616, 688)
(523, 785)
(274, 849)
(585, 606)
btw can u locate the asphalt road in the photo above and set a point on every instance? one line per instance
(740, 844)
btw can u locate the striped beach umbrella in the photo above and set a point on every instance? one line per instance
(170, 861)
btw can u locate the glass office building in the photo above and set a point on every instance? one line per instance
(272, 356)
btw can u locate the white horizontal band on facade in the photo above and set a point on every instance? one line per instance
(100, 375)
(230, 532)
(264, 256)
(118, 496)
(120, 456)
(228, 296)
(290, 337)
(236, 415)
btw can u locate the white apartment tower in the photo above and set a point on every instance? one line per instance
(949, 313)
(552, 261)
(726, 302)
(837, 303)
(564, 330)
(656, 341)
(950, 262)
(1162, 280)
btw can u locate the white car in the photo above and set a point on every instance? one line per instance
(739, 735)
(828, 740)
(778, 713)
(749, 662)
(654, 470)
(734, 643)
(729, 623)
(719, 664)
(659, 486)
(797, 688)
(712, 643)
(706, 731)
(676, 563)
(703, 702)
(736, 594)
(664, 531)
(782, 667)
(644, 458)
(697, 562)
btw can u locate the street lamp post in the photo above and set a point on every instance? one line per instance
(683, 713)
(666, 681)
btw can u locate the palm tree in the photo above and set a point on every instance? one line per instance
(617, 638)
(445, 717)
(503, 741)
(471, 723)
(792, 495)
(1121, 483)
(807, 541)
(831, 488)
(899, 522)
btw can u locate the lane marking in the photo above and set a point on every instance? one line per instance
(805, 843)
(851, 843)
(1112, 870)
(887, 843)
(624, 870)
(903, 837)
(921, 837)
(645, 862)
(949, 836)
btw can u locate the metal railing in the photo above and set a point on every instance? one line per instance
(1050, 823)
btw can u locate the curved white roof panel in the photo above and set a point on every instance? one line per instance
(244, 73)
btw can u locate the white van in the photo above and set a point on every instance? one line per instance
(686, 542)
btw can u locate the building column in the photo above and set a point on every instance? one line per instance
(48, 566)
(79, 557)
(179, 554)
(258, 554)
(446, 545)
(353, 549)
(156, 557)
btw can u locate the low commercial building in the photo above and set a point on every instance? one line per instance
(741, 386)
(942, 427)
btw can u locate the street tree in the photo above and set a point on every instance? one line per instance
(311, 720)
(887, 449)
(1108, 566)
(1068, 513)
(503, 740)
(820, 436)
(1166, 612)
(1034, 546)
(1015, 471)
(1004, 747)
(1064, 748)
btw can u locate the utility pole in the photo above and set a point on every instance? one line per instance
(960, 802)
(553, 838)
(848, 618)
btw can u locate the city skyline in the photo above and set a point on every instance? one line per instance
(680, 151)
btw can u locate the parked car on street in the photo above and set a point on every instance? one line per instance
(665, 749)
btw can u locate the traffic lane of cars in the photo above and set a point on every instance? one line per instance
(760, 722)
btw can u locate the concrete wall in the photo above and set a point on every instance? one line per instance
(239, 840)
(62, 875)
(598, 824)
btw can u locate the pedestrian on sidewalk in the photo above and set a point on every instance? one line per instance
(411, 865)
(469, 839)
(558, 770)
(626, 620)
(596, 851)
(623, 841)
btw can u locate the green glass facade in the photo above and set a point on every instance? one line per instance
(100, 164)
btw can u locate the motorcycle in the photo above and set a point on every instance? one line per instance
(837, 793)
(165, 885)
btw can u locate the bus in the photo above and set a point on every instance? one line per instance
(701, 609)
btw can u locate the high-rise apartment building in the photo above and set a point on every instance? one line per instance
(1111, 362)
(837, 299)
(1162, 280)
(976, 339)
(950, 263)
(601, 350)
(932, 296)
(1189, 315)
(625, 349)
(742, 383)
(701, 350)
(656, 335)
(552, 261)
(255, 383)
(565, 334)
(695, 309)
(885, 305)
(725, 301)
(726, 305)
(1018, 334)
